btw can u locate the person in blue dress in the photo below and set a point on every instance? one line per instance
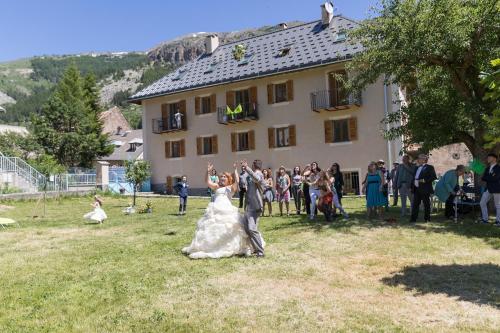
(373, 188)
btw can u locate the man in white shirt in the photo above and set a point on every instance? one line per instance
(422, 188)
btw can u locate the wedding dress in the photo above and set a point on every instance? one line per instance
(219, 232)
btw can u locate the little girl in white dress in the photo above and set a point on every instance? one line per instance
(220, 232)
(98, 213)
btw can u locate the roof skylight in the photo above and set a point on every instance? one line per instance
(212, 67)
(246, 59)
(180, 74)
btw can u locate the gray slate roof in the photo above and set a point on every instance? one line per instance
(312, 45)
(123, 152)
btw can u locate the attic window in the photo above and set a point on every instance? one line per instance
(212, 67)
(180, 74)
(341, 36)
(246, 59)
(285, 51)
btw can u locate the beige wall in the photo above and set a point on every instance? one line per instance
(310, 146)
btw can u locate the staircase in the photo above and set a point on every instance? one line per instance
(15, 172)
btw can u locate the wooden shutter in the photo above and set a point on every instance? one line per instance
(252, 92)
(289, 90)
(251, 140)
(270, 137)
(328, 131)
(167, 149)
(182, 147)
(292, 140)
(353, 129)
(230, 99)
(169, 184)
(164, 111)
(270, 93)
(182, 108)
(233, 142)
(213, 103)
(197, 109)
(215, 148)
(199, 145)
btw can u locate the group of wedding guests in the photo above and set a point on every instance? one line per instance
(314, 189)
(311, 188)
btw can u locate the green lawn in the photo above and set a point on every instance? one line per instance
(58, 274)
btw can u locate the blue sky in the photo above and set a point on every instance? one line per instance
(38, 27)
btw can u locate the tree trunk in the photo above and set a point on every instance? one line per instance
(135, 190)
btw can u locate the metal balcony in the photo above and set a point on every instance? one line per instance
(167, 126)
(330, 100)
(248, 112)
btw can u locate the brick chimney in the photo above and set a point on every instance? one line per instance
(326, 13)
(211, 43)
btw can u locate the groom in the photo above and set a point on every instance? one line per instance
(253, 203)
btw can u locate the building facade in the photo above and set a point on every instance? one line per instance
(294, 113)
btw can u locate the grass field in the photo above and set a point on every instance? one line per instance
(58, 274)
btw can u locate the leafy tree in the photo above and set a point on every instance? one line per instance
(68, 126)
(17, 145)
(435, 50)
(491, 80)
(137, 172)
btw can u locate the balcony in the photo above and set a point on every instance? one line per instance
(168, 125)
(247, 112)
(331, 100)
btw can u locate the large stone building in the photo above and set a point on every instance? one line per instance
(278, 97)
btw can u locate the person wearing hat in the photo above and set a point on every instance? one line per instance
(447, 188)
(385, 172)
(492, 178)
(422, 188)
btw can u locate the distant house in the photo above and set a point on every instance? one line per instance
(113, 119)
(128, 146)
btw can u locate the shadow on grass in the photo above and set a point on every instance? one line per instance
(358, 219)
(477, 283)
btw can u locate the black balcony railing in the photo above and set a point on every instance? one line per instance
(332, 100)
(168, 125)
(238, 113)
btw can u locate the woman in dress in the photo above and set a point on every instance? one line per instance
(268, 196)
(98, 213)
(283, 188)
(373, 187)
(297, 188)
(220, 232)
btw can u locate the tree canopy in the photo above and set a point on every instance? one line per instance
(435, 50)
(68, 125)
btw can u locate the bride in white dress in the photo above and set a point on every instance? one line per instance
(220, 232)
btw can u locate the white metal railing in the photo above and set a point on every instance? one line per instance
(83, 179)
(34, 179)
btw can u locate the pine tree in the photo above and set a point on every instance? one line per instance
(68, 125)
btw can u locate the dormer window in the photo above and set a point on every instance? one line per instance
(341, 36)
(212, 67)
(246, 59)
(180, 74)
(285, 51)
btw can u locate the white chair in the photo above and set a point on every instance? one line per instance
(4, 222)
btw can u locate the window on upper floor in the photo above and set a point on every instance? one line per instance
(205, 105)
(280, 92)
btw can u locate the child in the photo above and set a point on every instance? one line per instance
(178, 119)
(325, 195)
(182, 189)
(98, 213)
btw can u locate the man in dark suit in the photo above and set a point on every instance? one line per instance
(422, 188)
(492, 178)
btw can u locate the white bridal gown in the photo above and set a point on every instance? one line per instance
(219, 232)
